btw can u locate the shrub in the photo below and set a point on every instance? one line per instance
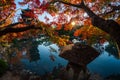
(3, 67)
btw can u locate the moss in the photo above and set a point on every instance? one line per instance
(3, 67)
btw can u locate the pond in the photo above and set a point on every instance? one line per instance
(45, 63)
(105, 64)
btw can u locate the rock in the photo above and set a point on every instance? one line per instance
(78, 53)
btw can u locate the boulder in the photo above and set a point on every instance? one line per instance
(78, 53)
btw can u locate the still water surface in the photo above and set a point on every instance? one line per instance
(104, 64)
(44, 64)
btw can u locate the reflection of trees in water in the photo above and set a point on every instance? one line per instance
(52, 50)
(34, 52)
(28, 47)
(112, 50)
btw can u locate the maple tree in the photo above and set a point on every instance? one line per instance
(90, 17)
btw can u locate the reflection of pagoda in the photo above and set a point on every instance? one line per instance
(113, 50)
(27, 15)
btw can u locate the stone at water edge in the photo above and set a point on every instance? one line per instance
(78, 53)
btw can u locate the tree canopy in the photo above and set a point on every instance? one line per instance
(65, 19)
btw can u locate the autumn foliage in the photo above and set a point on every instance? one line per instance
(59, 14)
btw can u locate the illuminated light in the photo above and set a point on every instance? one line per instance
(73, 23)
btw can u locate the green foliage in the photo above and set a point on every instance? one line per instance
(3, 67)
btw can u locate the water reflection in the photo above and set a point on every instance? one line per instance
(34, 52)
(44, 64)
(105, 65)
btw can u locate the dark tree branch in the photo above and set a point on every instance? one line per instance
(16, 30)
(81, 5)
(96, 20)
(109, 26)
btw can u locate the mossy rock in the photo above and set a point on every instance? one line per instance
(3, 67)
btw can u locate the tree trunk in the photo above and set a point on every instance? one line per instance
(109, 26)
